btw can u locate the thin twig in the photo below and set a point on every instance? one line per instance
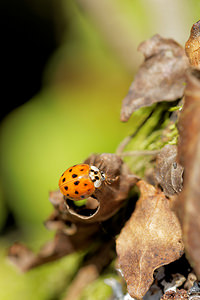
(138, 153)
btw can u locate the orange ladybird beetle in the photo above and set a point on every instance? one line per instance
(80, 181)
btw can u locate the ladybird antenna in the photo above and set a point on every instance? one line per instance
(101, 164)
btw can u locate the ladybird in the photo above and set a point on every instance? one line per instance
(80, 181)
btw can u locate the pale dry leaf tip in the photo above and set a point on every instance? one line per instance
(192, 46)
(190, 281)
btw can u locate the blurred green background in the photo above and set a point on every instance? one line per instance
(67, 65)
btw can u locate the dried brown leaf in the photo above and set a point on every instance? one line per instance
(76, 226)
(150, 239)
(160, 78)
(178, 295)
(62, 244)
(189, 157)
(169, 173)
(110, 197)
(192, 46)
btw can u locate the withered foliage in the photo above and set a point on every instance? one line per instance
(160, 78)
(151, 238)
(168, 172)
(189, 158)
(77, 227)
(172, 295)
(111, 196)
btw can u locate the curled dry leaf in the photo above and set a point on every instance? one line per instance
(168, 172)
(62, 244)
(160, 78)
(192, 46)
(189, 157)
(110, 197)
(150, 239)
(73, 223)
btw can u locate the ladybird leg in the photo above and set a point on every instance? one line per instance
(93, 196)
(110, 181)
(101, 165)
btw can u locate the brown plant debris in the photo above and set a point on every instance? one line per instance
(192, 46)
(189, 158)
(160, 78)
(107, 200)
(151, 238)
(62, 244)
(168, 172)
(110, 197)
(195, 289)
(190, 281)
(178, 295)
(77, 227)
(177, 281)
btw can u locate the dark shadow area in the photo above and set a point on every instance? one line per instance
(27, 41)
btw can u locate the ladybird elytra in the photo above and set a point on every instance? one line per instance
(80, 181)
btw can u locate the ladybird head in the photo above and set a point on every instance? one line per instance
(96, 176)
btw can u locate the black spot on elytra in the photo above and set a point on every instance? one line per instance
(96, 172)
(66, 188)
(74, 175)
(76, 192)
(82, 197)
(70, 170)
(85, 184)
(81, 170)
(97, 177)
(63, 179)
(76, 182)
(67, 195)
(93, 180)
